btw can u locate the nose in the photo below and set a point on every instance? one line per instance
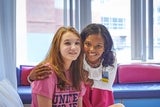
(73, 46)
(91, 48)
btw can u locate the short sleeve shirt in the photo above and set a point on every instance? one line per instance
(60, 98)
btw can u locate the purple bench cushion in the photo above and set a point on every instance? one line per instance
(24, 72)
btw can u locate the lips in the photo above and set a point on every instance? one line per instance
(92, 54)
(73, 53)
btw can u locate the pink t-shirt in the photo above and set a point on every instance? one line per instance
(60, 98)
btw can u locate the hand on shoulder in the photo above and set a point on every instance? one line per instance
(39, 72)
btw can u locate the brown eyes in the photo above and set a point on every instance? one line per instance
(89, 45)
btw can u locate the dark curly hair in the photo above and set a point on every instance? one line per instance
(108, 54)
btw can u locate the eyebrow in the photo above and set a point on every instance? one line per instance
(101, 43)
(72, 39)
(97, 43)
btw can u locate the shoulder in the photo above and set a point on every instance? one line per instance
(52, 79)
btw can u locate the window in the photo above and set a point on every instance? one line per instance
(127, 23)
(156, 29)
(37, 20)
(115, 15)
(113, 23)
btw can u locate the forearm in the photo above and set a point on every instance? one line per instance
(39, 73)
(44, 101)
(80, 102)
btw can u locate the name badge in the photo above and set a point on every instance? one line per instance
(105, 75)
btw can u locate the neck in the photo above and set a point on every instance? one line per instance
(67, 65)
(95, 64)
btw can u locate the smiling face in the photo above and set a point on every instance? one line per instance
(70, 46)
(94, 47)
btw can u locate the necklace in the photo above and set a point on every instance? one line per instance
(97, 64)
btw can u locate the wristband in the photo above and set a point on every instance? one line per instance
(28, 79)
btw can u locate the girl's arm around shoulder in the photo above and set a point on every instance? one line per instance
(39, 72)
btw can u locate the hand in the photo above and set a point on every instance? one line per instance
(87, 80)
(85, 75)
(40, 72)
(117, 105)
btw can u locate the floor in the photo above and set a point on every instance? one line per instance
(27, 105)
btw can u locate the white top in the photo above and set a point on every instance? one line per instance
(8, 95)
(101, 82)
